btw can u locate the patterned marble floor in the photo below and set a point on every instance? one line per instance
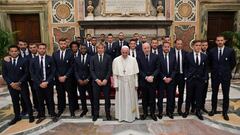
(84, 126)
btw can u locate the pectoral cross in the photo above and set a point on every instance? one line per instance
(124, 71)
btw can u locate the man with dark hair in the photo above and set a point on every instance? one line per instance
(63, 59)
(133, 51)
(179, 78)
(155, 47)
(42, 69)
(120, 42)
(15, 73)
(88, 41)
(103, 38)
(92, 50)
(83, 77)
(167, 75)
(111, 48)
(101, 68)
(222, 61)
(195, 75)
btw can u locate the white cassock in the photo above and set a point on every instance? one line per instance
(126, 80)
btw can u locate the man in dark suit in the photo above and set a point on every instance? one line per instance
(42, 69)
(222, 61)
(136, 36)
(167, 75)
(179, 78)
(148, 64)
(101, 68)
(155, 47)
(133, 50)
(92, 49)
(63, 59)
(83, 77)
(204, 48)
(195, 75)
(33, 53)
(88, 41)
(15, 73)
(74, 46)
(120, 42)
(111, 48)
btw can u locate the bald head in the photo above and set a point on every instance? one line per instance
(146, 48)
(124, 51)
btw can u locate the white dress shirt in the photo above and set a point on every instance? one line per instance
(44, 66)
(180, 59)
(195, 57)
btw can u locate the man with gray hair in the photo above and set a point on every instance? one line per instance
(125, 70)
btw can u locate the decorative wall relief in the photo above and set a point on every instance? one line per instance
(187, 34)
(185, 10)
(62, 32)
(62, 11)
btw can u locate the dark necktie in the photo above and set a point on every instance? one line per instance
(83, 59)
(61, 56)
(101, 58)
(94, 49)
(178, 61)
(155, 51)
(14, 63)
(41, 67)
(133, 54)
(24, 54)
(220, 54)
(34, 55)
(197, 60)
(109, 46)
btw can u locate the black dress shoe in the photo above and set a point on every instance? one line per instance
(59, 113)
(199, 115)
(205, 110)
(31, 119)
(144, 116)
(108, 117)
(153, 116)
(83, 113)
(40, 120)
(54, 119)
(192, 110)
(211, 113)
(14, 121)
(170, 115)
(184, 115)
(160, 116)
(180, 113)
(225, 116)
(94, 118)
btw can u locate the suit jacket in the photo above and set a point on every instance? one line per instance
(192, 70)
(148, 68)
(100, 70)
(116, 43)
(113, 51)
(224, 67)
(35, 70)
(82, 71)
(172, 66)
(90, 51)
(63, 67)
(184, 53)
(18, 73)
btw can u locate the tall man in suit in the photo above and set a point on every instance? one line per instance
(33, 53)
(195, 75)
(155, 47)
(15, 73)
(167, 75)
(222, 61)
(83, 77)
(148, 64)
(204, 48)
(63, 59)
(101, 68)
(111, 48)
(92, 49)
(74, 46)
(133, 50)
(120, 42)
(88, 41)
(42, 69)
(179, 78)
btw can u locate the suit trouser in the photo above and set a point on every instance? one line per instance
(75, 93)
(34, 95)
(148, 98)
(180, 83)
(45, 94)
(62, 88)
(15, 95)
(204, 95)
(225, 89)
(82, 90)
(96, 94)
(170, 93)
(23, 104)
(194, 93)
